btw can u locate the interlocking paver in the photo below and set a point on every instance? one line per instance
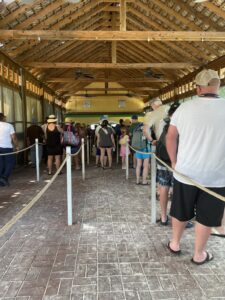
(112, 252)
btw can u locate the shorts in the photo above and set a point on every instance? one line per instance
(164, 177)
(141, 155)
(189, 201)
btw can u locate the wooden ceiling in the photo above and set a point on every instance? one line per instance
(68, 46)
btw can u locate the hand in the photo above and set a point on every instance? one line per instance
(173, 165)
(17, 148)
(154, 142)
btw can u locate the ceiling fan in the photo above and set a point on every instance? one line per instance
(150, 74)
(79, 74)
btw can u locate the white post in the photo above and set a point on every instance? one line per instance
(88, 153)
(127, 161)
(117, 149)
(153, 187)
(83, 158)
(37, 160)
(69, 187)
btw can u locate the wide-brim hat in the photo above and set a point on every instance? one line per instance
(126, 122)
(52, 119)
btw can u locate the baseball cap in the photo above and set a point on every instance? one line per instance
(205, 76)
(134, 117)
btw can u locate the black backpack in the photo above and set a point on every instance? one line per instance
(161, 151)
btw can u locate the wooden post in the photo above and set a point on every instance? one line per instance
(123, 15)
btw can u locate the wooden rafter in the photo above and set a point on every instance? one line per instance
(201, 36)
(215, 9)
(71, 65)
(123, 15)
(119, 79)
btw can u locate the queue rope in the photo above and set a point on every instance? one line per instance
(23, 211)
(198, 185)
(75, 154)
(22, 150)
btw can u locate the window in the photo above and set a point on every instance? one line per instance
(121, 103)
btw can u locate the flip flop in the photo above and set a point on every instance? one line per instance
(216, 233)
(178, 252)
(208, 258)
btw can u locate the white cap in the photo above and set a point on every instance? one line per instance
(205, 76)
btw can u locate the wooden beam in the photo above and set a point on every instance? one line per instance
(142, 89)
(71, 65)
(123, 15)
(215, 9)
(114, 43)
(71, 79)
(107, 95)
(199, 36)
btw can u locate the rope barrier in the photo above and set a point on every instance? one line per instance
(12, 153)
(79, 150)
(21, 213)
(198, 185)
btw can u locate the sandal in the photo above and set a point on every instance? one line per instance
(178, 252)
(208, 258)
(165, 223)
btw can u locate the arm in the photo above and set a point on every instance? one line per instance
(15, 141)
(147, 133)
(171, 144)
(113, 140)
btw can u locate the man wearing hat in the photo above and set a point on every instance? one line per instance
(200, 155)
(7, 139)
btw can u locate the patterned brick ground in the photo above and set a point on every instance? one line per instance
(112, 252)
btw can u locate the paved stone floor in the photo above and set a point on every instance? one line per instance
(111, 252)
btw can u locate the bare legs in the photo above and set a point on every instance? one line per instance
(202, 233)
(163, 198)
(138, 169)
(145, 170)
(103, 158)
(50, 162)
(109, 154)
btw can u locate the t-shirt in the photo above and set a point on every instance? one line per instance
(201, 150)
(6, 130)
(154, 117)
(105, 139)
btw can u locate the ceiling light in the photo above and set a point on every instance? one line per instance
(200, 1)
(1, 45)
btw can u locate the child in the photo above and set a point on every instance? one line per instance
(124, 138)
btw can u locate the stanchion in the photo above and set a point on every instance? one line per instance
(88, 153)
(37, 160)
(127, 160)
(117, 149)
(69, 187)
(83, 158)
(153, 187)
